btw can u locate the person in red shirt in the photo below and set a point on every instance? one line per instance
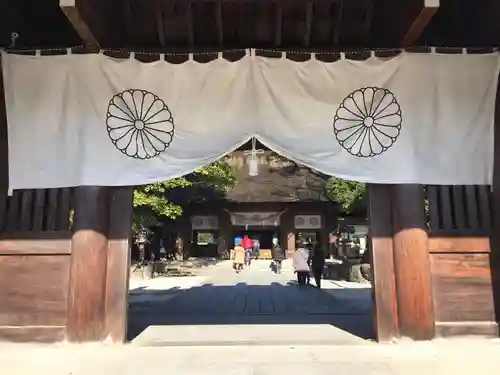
(247, 244)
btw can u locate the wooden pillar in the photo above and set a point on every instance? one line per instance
(287, 240)
(495, 205)
(118, 263)
(225, 228)
(381, 244)
(4, 152)
(88, 266)
(411, 263)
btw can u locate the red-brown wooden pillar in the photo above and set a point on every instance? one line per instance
(118, 263)
(411, 263)
(385, 314)
(88, 266)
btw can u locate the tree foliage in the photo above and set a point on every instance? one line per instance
(347, 193)
(166, 199)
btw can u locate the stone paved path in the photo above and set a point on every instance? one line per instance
(255, 306)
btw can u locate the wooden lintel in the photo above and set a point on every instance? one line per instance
(423, 18)
(74, 15)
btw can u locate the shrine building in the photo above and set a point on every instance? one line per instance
(282, 200)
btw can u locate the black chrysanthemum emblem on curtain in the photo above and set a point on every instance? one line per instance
(139, 124)
(368, 122)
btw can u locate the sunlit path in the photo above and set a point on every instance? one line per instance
(255, 306)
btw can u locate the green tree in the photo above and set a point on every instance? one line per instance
(165, 200)
(349, 194)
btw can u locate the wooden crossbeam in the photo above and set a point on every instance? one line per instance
(190, 24)
(278, 23)
(159, 23)
(309, 19)
(74, 15)
(338, 21)
(220, 27)
(423, 18)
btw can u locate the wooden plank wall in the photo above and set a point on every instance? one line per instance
(460, 220)
(35, 248)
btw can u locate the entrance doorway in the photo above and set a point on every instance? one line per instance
(257, 297)
(264, 236)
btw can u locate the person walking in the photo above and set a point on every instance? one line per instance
(238, 258)
(247, 244)
(317, 262)
(255, 248)
(278, 255)
(301, 263)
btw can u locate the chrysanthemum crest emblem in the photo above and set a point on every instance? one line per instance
(139, 124)
(368, 122)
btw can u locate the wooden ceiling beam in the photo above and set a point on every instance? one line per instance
(278, 22)
(422, 19)
(190, 24)
(73, 12)
(308, 29)
(220, 25)
(160, 26)
(338, 21)
(368, 20)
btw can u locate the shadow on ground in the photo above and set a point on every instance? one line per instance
(243, 304)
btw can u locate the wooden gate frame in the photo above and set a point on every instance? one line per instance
(65, 279)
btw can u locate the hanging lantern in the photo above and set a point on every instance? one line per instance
(252, 159)
(253, 166)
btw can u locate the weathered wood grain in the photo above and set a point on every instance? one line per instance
(34, 290)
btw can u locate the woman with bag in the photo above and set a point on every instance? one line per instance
(301, 264)
(239, 258)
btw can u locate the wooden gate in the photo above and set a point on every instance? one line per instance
(35, 248)
(460, 222)
(64, 261)
(432, 261)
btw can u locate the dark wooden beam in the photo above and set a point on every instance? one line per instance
(368, 21)
(159, 22)
(278, 22)
(424, 16)
(218, 21)
(339, 6)
(190, 24)
(308, 29)
(74, 15)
